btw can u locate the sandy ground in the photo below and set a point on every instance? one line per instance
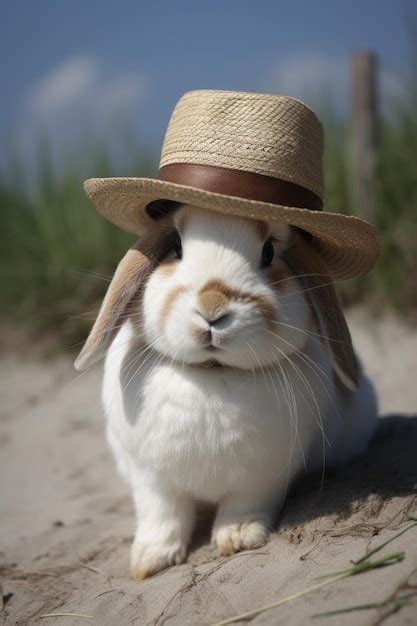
(67, 520)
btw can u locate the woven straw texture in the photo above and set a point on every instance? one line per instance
(271, 135)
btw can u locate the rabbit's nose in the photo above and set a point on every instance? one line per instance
(214, 322)
(213, 306)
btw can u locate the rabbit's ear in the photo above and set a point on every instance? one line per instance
(130, 273)
(318, 288)
(126, 285)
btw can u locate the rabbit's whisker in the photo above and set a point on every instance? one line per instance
(310, 333)
(309, 388)
(301, 291)
(126, 369)
(293, 408)
(262, 369)
(295, 276)
(305, 357)
(314, 366)
(81, 270)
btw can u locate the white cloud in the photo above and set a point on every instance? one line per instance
(63, 85)
(77, 102)
(307, 76)
(124, 92)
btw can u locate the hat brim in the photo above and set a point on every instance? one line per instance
(349, 245)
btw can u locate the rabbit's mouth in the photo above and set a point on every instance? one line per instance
(211, 348)
(212, 363)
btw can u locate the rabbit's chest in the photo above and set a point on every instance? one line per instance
(194, 413)
(205, 430)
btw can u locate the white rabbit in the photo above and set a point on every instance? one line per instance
(232, 372)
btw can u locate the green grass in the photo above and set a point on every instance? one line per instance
(361, 566)
(58, 254)
(393, 281)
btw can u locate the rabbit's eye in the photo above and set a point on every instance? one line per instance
(178, 248)
(267, 253)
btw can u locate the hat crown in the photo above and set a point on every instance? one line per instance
(273, 135)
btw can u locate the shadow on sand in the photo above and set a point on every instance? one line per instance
(378, 489)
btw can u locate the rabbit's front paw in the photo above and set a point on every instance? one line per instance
(148, 559)
(244, 535)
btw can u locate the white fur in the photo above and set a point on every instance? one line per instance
(236, 436)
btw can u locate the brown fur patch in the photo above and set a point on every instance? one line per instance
(262, 303)
(215, 284)
(280, 272)
(262, 229)
(169, 302)
(166, 268)
(199, 334)
(213, 303)
(266, 308)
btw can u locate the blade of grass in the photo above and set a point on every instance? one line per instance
(273, 605)
(385, 543)
(359, 567)
(96, 570)
(66, 615)
(363, 566)
(397, 603)
(350, 609)
(353, 571)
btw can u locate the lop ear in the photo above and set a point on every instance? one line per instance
(307, 264)
(124, 287)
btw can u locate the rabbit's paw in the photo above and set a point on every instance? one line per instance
(148, 559)
(244, 535)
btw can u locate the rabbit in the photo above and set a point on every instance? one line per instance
(229, 371)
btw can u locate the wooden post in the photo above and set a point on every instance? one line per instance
(364, 132)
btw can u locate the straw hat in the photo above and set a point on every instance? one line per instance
(247, 154)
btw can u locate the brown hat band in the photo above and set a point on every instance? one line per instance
(240, 183)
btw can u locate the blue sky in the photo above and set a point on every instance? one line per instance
(78, 67)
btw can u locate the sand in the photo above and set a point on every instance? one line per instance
(67, 519)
